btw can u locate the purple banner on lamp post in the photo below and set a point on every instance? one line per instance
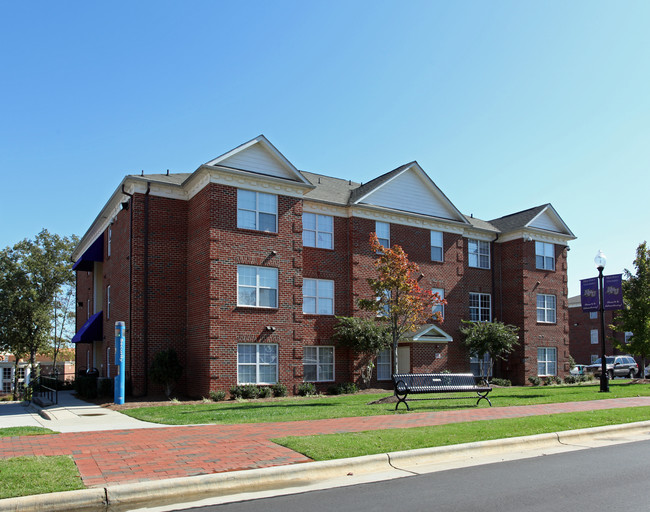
(613, 292)
(589, 294)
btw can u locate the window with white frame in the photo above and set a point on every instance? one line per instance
(546, 308)
(479, 366)
(546, 361)
(594, 358)
(382, 230)
(317, 297)
(318, 364)
(257, 363)
(110, 235)
(385, 310)
(318, 230)
(480, 307)
(257, 286)
(544, 256)
(436, 246)
(257, 210)
(108, 302)
(384, 364)
(439, 308)
(593, 315)
(628, 336)
(6, 374)
(21, 373)
(593, 336)
(478, 253)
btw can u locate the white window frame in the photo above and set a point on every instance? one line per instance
(544, 256)
(384, 364)
(110, 235)
(593, 336)
(628, 335)
(593, 315)
(439, 307)
(108, 302)
(257, 287)
(437, 243)
(318, 299)
(382, 230)
(323, 235)
(317, 360)
(256, 210)
(549, 364)
(475, 365)
(257, 364)
(546, 308)
(594, 358)
(477, 304)
(478, 253)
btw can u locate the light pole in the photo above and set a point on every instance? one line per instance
(600, 261)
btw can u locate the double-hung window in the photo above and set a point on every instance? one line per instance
(439, 308)
(544, 256)
(546, 361)
(593, 335)
(478, 252)
(384, 364)
(318, 364)
(318, 231)
(257, 210)
(382, 230)
(480, 307)
(436, 246)
(546, 308)
(317, 297)
(108, 302)
(257, 286)
(257, 363)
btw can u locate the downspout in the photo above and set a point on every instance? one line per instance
(494, 259)
(129, 374)
(146, 290)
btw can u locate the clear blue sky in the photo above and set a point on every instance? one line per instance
(506, 105)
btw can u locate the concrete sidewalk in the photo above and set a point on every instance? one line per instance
(107, 452)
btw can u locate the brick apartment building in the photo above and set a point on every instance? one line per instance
(242, 265)
(584, 334)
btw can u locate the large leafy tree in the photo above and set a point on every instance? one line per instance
(494, 338)
(398, 298)
(364, 337)
(635, 316)
(32, 273)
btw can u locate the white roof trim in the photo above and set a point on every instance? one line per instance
(551, 211)
(429, 333)
(263, 141)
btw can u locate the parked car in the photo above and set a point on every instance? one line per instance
(617, 366)
(578, 369)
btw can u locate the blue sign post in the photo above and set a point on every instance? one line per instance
(120, 346)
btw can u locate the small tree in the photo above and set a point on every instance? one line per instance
(166, 370)
(635, 315)
(398, 298)
(494, 338)
(364, 337)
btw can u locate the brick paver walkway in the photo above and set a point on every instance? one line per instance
(120, 456)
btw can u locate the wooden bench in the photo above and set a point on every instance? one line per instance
(420, 383)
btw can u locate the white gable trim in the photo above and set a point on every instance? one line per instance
(407, 219)
(285, 164)
(550, 212)
(536, 235)
(429, 333)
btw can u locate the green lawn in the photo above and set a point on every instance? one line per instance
(22, 476)
(323, 407)
(337, 446)
(25, 431)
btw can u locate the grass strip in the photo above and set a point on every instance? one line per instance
(23, 476)
(343, 406)
(25, 431)
(356, 444)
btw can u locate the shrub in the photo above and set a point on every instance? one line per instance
(236, 392)
(166, 370)
(279, 390)
(250, 391)
(265, 392)
(217, 396)
(552, 379)
(307, 389)
(502, 382)
(348, 388)
(535, 381)
(571, 379)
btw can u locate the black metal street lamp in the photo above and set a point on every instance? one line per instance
(600, 261)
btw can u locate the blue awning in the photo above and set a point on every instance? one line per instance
(92, 330)
(94, 253)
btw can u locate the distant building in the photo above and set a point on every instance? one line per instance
(242, 265)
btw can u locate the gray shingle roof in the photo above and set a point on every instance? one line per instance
(517, 220)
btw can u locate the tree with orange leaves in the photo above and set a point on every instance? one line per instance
(398, 298)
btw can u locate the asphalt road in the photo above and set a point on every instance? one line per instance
(610, 478)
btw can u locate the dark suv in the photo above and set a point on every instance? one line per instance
(617, 366)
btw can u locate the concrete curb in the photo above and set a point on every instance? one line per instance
(179, 490)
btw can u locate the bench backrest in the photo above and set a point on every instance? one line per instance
(433, 382)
